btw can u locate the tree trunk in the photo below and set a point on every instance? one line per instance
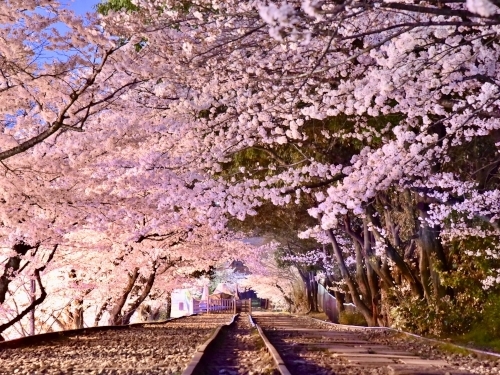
(32, 313)
(115, 315)
(394, 256)
(340, 299)
(432, 256)
(145, 293)
(314, 290)
(353, 290)
(169, 304)
(305, 276)
(368, 269)
(425, 275)
(101, 311)
(361, 278)
(77, 314)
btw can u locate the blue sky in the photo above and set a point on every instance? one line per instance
(82, 6)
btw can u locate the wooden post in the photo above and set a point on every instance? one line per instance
(249, 305)
(234, 305)
(32, 312)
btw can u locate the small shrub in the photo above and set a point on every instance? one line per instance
(491, 315)
(352, 318)
(486, 333)
(437, 318)
(299, 298)
(453, 349)
(163, 315)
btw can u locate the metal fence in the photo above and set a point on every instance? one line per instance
(328, 304)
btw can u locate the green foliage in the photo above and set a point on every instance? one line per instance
(486, 332)
(257, 342)
(491, 316)
(140, 45)
(352, 318)
(453, 349)
(461, 274)
(434, 318)
(116, 5)
(477, 161)
(318, 315)
(283, 222)
(317, 146)
(467, 306)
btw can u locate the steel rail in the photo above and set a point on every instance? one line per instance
(202, 352)
(280, 364)
(195, 363)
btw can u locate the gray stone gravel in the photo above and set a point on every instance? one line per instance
(148, 349)
(426, 349)
(238, 351)
(313, 347)
(167, 349)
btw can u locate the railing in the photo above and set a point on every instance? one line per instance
(244, 305)
(220, 305)
(214, 306)
(196, 306)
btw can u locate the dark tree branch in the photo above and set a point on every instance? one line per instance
(12, 265)
(429, 10)
(315, 185)
(37, 301)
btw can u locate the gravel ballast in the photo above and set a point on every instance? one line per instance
(238, 350)
(139, 349)
(312, 347)
(307, 346)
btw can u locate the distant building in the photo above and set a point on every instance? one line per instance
(182, 303)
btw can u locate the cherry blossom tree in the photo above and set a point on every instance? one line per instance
(58, 70)
(109, 185)
(371, 127)
(382, 115)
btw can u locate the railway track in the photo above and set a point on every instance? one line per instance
(223, 344)
(164, 348)
(310, 347)
(238, 349)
